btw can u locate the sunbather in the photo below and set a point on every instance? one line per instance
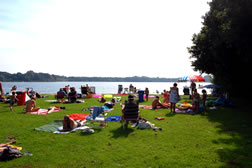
(156, 104)
(69, 124)
(31, 105)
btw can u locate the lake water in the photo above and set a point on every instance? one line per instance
(100, 87)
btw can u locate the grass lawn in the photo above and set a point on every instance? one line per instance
(220, 138)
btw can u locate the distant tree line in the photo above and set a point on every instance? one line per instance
(31, 76)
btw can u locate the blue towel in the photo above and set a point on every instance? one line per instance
(114, 118)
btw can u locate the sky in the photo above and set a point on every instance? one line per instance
(101, 38)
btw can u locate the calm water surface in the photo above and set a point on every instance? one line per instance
(100, 87)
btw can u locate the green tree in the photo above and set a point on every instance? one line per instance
(223, 47)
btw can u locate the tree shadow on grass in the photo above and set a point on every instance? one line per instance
(170, 114)
(120, 132)
(236, 150)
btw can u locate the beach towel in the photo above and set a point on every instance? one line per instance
(46, 111)
(146, 107)
(77, 101)
(56, 128)
(183, 111)
(114, 118)
(108, 96)
(150, 107)
(53, 101)
(159, 118)
(97, 95)
(150, 97)
(51, 127)
(59, 130)
(78, 116)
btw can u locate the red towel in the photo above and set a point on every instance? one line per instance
(78, 116)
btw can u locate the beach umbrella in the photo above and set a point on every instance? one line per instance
(196, 78)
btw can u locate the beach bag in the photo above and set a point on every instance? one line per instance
(178, 98)
(145, 125)
(10, 153)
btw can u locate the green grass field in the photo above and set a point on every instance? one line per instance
(220, 138)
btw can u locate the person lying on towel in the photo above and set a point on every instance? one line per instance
(31, 105)
(69, 124)
(156, 104)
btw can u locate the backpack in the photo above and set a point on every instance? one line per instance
(10, 153)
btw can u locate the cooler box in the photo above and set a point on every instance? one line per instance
(21, 96)
(141, 95)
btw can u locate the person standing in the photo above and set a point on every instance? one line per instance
(13, 100)
(146, 94)
(193, 87)
(195, 101)
(174, 95)
(1, 89)
(204, 97)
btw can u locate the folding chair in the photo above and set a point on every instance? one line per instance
(131, 113)
(97, 118)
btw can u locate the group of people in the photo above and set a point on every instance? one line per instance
(12, 98)
(69, 92)
(173, 97)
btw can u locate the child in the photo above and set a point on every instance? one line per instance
(204, 97)
(166, 97)
(13, 100)
(195, 101)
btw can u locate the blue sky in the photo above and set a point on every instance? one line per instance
(99, 38)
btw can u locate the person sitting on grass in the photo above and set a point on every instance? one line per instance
(72, 95)
(103, 100)
(70, 124)
(31, 105)
(156, 104)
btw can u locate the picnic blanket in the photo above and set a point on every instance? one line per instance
(46, 111)
(56, 127)
(183, 111)
(53, 101)
(51, 127)
(78, 116)
(114, 118)
(77, 101)
(108, 96)
(145, 106)
(150, 107)
(97, 95)
(150, 97)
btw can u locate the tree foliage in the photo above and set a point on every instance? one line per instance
(223, 47)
